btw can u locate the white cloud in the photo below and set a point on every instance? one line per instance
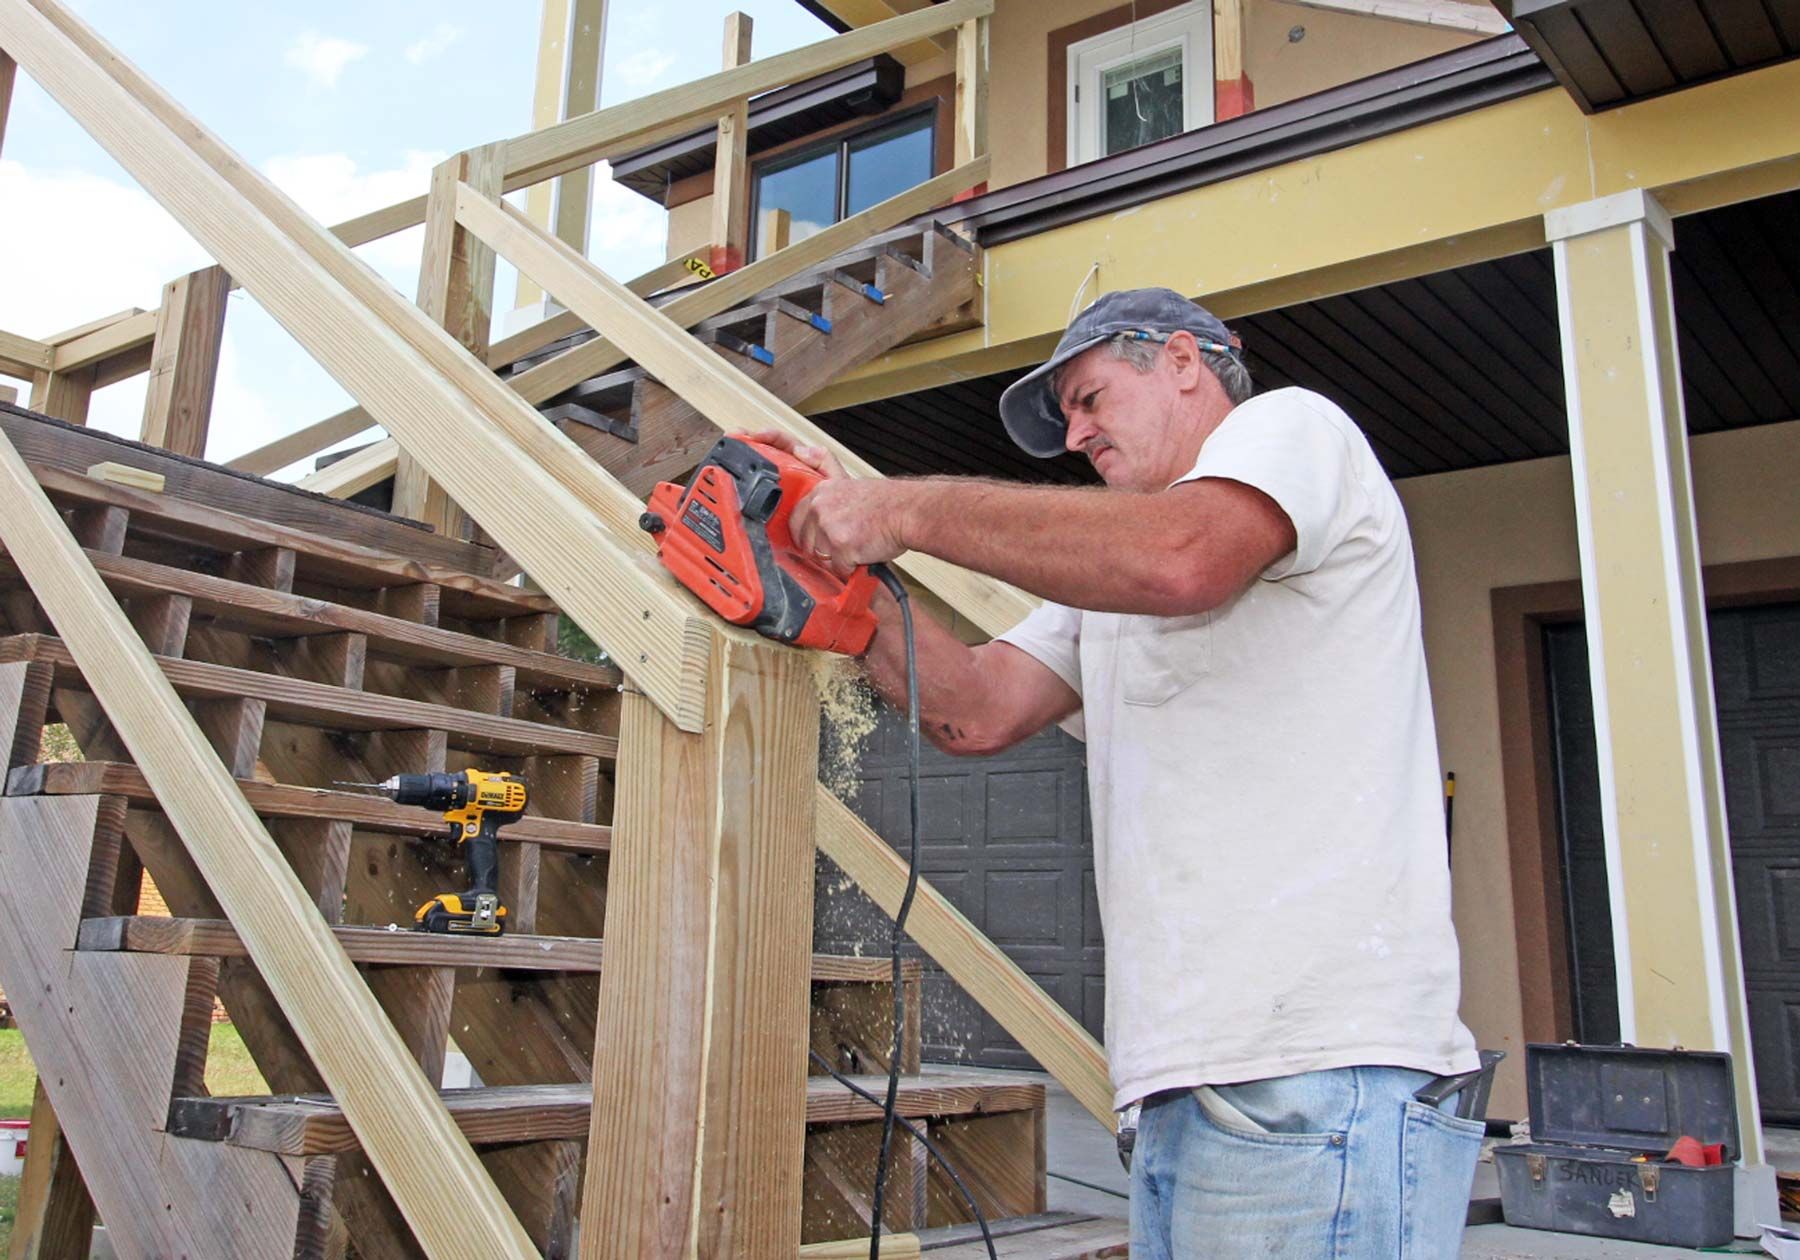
(627, 233)
(434, 44)
(322, 58)
(643, 68)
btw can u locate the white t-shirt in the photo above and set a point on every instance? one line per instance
(1267, 808)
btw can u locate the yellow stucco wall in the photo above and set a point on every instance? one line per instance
(1514, 525)
(1337, 48)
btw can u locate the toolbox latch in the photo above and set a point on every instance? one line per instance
(1538, 1166)
(1649, 1176)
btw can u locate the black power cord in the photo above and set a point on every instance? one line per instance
(888, 1108)
(930, 1146)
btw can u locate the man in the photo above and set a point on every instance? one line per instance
(1232, 624)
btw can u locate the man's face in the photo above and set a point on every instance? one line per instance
(1125, 421)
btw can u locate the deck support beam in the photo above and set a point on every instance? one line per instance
(1662, 792)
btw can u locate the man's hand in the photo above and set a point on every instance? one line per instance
(845, 521)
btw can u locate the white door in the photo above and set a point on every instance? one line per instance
(1141, 83)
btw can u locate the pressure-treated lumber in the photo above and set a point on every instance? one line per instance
(431, 1172)
(894, 1246)
(55, 1215)
(349, 319)
(92, 325)
(313, 1125)
(1031, 1016)
(282, 800)
(106, 1036)
(63, 395)
(317, 704)
(700, 1045)
(184, 363)
(216, 938)
(456, 289)
(114, 338)
(731, 166)
(302, 443)
(538, 155)
(8, 72)
(971, 90)
(730, 399)
(21, 356)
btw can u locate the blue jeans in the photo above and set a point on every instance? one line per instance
(1334, 1165)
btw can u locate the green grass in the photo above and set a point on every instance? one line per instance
(9, 1209)
(18, 1078)
(229, 1070)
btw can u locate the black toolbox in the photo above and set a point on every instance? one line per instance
(1602, 1118)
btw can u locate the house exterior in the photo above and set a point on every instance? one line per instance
(1553, 272)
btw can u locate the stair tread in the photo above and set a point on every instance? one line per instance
(313, 1124)
(317, 558)
(284, 800)
(334, 708)
(216, 938)
(260, 610)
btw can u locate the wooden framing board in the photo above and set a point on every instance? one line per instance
(280, 614)
(1032, 1017)
(651, 625)
(301, 1125)
(317, 704)
(112, 1093)
(216, 938)
(282, 800)
(456, 289)
(700, 1045)
(8, 72)
(22, 357)
(971, 90)
(432, 1173)
(115, 337)
(731, 169)
(727, 397)
(184, 363)
(209, 502)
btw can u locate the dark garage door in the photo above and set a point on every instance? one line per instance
(1006, 840)
(1756, 674)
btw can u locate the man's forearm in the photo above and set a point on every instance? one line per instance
(950, 686)
(1096, 549)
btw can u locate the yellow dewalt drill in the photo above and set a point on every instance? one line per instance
(476, 804)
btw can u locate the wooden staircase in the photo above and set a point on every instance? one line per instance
(313, 645)
(793, 340)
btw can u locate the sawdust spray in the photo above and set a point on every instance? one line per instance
(851, 712)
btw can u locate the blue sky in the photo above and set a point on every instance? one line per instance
(347, 107)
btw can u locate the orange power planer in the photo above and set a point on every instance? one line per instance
(726, 536)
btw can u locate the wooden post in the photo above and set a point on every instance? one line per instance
(731, 170)
(971, 97)
(184, 362)
(1232, 92)
(8, 71)
(63, 395)
(571, 46)
(55, 1217)
(700, 1063)
(456, 288)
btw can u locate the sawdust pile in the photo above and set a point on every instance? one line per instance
(851, 712)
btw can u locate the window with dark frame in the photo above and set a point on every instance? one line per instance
(800, 193)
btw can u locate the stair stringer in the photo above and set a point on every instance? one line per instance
(105, 1032)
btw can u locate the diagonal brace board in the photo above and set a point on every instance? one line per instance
(724, 395)
(312, 284)
(431, 1170)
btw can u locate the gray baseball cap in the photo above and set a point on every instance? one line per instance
(1029, 408)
